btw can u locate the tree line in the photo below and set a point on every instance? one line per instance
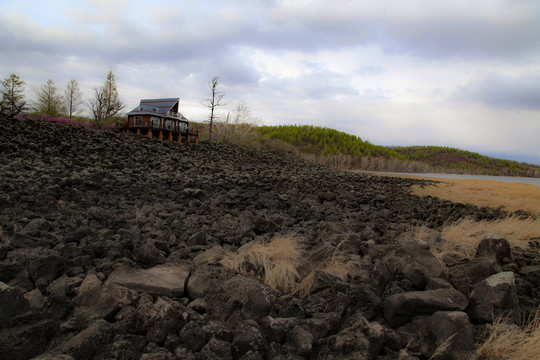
(457, 160)
(338, 149)
(104, 106)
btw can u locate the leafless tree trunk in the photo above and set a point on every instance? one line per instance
(72, 97)
(214, 102)
(97, 106)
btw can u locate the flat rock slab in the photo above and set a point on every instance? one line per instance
(160, 280)
(401, 308)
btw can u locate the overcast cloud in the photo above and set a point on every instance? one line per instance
(455, 73)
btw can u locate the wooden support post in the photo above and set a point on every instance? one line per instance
(188, 138)
(197, 139)
(170, 136)
(160, 135)
(179, 138)
(149, 133)
(138, 131)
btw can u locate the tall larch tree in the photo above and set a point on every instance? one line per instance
(12, 102)
(106, 103)
(72, 98)
(48, 100)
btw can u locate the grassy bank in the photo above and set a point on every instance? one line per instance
(512, 196)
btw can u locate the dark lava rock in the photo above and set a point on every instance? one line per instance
(493, 297)
(112, 243)
(403, 307)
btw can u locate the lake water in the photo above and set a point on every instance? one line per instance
(515, 179)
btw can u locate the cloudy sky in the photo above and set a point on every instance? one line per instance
(453, 73)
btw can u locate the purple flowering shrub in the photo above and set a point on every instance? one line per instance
(21, 116)
(59, 120)
(78, 121)
(109, 127)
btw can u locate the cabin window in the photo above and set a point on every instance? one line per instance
(155, 122)
(169, 124)
(183, 126)
(138, 121)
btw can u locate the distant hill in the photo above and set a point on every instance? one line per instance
(339, 149)
(456, 160)
(309, 139)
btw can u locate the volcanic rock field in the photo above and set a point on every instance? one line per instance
(113, 246)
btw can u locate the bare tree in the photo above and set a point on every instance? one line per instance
(97, 106)
(106, 102)
(72, 98)
(12, 102)
(214, 102)
(238, 126)
(48, 101)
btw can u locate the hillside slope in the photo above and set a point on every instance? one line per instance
(338, 149)
(456, 160)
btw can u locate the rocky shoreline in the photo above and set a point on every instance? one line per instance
(111, 246)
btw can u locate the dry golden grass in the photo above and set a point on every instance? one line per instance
(336, 263)
(513, 196)
(508, 341)
(274, 262)
(466, 234)
(462, 237)
(439, 352)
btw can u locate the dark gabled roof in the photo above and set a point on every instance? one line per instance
(157, 107)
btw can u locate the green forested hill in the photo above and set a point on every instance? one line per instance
(324, 141)
(336, 148)
(464, 161)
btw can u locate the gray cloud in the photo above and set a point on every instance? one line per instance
(499, 91)
(316, 85)
(313, 62)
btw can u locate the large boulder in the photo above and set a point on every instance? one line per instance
(494, 246)
(161, 280)
(88, 342)
(100, 302)
(358, 336)
(148, 254)
(450, 333)
(203, 278)
(412, 261)
(248, 339)
(403, 307)
(216, 349)
(493, 297)
(12, 303)
(466, 275)
(24, 341)
(170, 317)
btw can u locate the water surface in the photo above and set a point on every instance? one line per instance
(514, 179)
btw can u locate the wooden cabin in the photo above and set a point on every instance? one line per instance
(160, 118)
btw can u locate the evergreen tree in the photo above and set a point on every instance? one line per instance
(48, 101)
(12, 102)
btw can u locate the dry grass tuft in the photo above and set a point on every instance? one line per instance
(508, 341)
(3, 239)
(464, 236)
(274, 262)
(513, 196)
(337, 263)
(439, 351)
